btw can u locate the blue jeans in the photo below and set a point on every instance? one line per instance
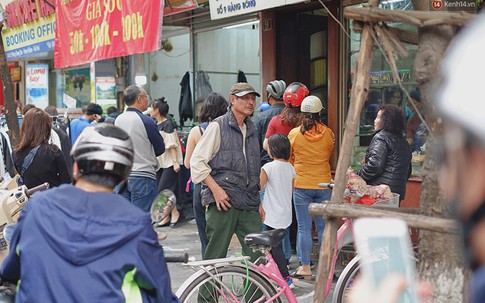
(302, 199)
(141, 191)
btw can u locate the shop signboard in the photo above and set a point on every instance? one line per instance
(37, 85)
(16, 73)
(228, 8)
(90, 30)
(30, 39)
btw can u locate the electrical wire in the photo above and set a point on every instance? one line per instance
(336, 20)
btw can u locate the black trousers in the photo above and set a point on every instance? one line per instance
(279, 257)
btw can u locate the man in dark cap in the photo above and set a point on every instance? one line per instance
(227, 161)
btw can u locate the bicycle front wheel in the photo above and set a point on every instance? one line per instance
(346, 281)
(227, 284)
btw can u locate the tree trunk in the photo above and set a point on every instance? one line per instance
(10, 108)
(440, 256)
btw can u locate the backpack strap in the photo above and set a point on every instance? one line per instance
(27, 161)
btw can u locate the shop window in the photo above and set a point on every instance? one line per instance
(318, 68)
(383, 90)
(75, 83)
(227, 55)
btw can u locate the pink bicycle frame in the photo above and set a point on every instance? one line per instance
(270, 270)
(340, 233)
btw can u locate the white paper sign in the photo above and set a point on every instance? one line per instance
(69, 101)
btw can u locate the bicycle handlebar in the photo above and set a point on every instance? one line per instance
(177, 258)
(31, 191)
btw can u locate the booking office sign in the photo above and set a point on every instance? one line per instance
(30, 39)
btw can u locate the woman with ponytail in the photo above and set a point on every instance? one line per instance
(312, 145)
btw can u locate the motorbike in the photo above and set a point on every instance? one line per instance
(12, 202)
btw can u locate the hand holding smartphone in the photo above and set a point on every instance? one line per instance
(385, 248)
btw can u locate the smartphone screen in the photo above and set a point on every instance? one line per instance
(385, 248)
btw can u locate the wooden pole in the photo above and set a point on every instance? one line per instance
(10, 108)
(359, 93)
(418, 18)
(344, 210)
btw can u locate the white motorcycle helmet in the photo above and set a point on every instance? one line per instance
(460, 96)
(104, 148)
(311, 105)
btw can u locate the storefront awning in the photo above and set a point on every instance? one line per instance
(177, 6)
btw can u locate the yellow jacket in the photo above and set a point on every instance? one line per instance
(310, 155)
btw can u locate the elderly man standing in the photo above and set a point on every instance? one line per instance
(141, 186)
(227, 161)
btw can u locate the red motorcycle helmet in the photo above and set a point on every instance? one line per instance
(294, 94)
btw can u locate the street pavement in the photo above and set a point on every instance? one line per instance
(183, 238)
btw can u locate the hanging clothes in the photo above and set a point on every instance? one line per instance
(7, 168)
(241, 77)
(185, 103)
(65, 145)
(202, 86)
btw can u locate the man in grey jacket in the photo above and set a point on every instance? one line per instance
(141, 186)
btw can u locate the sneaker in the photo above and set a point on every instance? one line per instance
(289, 281)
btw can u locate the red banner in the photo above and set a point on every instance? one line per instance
(91, 30)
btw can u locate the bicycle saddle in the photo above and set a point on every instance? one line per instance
(270, 237)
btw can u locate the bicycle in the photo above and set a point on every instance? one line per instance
(237, 279)
(348, 275)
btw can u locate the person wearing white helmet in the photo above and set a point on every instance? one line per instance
(273, 107)
(312, 146)
(83, 242)
(283, 123)
(459, 101)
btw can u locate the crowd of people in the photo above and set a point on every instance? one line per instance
(248, 175)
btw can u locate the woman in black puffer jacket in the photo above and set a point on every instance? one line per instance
(388, 158)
